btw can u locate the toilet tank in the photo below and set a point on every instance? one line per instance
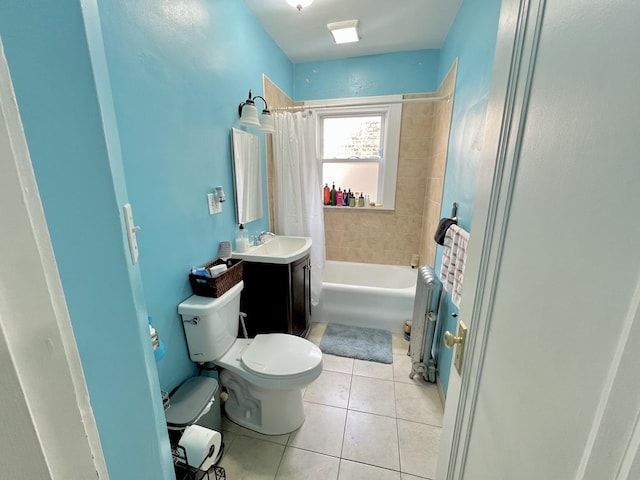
(211, 324)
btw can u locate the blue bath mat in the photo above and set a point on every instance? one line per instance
(357, 342)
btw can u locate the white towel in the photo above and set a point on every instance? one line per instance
(461, 261)
(447, 265)
(454, 257)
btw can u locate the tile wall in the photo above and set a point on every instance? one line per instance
(391, 237)
(435, 168)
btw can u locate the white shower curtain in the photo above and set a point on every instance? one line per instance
(298, 187)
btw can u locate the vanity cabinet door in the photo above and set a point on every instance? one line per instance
(300, 296)
(265, 298)
(276, 298)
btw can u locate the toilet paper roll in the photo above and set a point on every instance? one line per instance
(202, 446)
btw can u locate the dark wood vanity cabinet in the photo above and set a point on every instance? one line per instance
(276, 298)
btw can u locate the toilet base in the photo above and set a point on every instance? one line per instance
(266, 411)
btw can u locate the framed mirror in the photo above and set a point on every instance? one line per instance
(247, 175)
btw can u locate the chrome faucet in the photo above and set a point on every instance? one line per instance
(261, 237)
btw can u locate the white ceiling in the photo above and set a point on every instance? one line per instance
(385, 26)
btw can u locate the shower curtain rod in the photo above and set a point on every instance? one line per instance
(363, 104)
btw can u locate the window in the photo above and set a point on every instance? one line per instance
(358, 147)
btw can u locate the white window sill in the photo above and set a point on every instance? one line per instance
(360, 209)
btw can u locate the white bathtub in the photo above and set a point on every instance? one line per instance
(366, 295)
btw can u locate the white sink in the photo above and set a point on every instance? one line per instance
(281, 249)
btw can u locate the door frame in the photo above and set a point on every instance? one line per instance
(36, 336)
(514, 63)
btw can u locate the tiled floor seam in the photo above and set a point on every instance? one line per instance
(397, 430)
(346, 417)
(421, 423)
(280, 462)
(313, 451)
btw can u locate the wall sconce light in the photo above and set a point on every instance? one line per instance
(249, 115)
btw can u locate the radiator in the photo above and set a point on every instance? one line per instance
(422, 348)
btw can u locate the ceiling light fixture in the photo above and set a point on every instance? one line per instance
(344, 32)
(249, 115)
(299, 4)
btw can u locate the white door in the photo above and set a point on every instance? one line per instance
(550, 387)
(48, 428)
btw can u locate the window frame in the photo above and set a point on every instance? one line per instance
(390, 107)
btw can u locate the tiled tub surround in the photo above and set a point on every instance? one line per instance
(391, 237)
(364, 420)
(435, 168)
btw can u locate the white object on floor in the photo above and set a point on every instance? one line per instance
(202, 446)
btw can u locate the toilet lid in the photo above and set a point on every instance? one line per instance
(280, 354)
(190, 400)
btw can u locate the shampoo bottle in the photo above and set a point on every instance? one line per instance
(334, 195)
(361, 200)
(326, 194)
(339, 198)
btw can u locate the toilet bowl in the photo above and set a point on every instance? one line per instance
(263, 376)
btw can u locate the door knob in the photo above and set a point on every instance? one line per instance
(450, 339)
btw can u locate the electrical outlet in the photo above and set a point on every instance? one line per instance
(214, 205)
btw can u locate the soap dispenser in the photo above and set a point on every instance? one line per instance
(242, 239)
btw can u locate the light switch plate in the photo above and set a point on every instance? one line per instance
(131, 232)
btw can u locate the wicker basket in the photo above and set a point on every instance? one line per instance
(217, 286)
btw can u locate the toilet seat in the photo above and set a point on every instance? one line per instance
(232, 360)
(281, 355)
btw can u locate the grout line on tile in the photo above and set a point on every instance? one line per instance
(280, 462)
(314, 451)
(397, 430)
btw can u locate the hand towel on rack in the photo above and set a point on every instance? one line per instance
(448, 261)
(454, 256)
(461, 261)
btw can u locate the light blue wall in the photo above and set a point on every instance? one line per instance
(149, 123)
(81, 184)
(472, 40)
(178, 72)
(413, 71)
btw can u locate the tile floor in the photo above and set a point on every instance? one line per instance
(364, 420)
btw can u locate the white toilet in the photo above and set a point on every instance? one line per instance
(264, 376)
